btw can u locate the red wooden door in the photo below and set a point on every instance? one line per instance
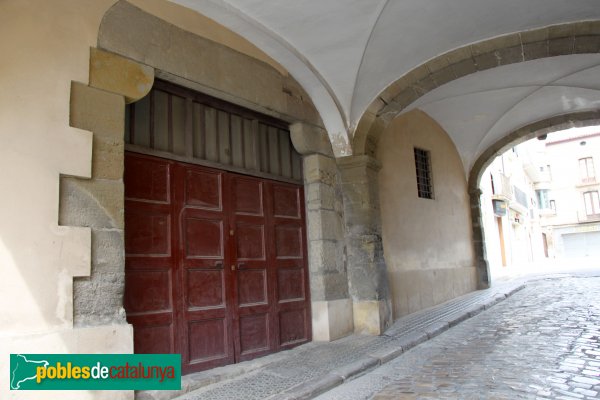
(215, 263)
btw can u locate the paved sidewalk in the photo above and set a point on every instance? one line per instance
(541, 343)
(311, 369)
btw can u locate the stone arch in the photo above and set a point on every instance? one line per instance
(134, 47)
(556, 40)
(523, 134)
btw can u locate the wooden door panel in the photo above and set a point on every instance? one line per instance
(153, 333)
(252, 286)
(254, 334)
(203, 238)
(149, 261)
(293, 327)
(148, 291)
(287, 202)
(205, 288)
(250, 241)
(247, 196)
(147, 179)
(148, 231)
(208, 343)
(215, 263)
(290, 284)
(206, 326)
(203, 189)
(289, 241)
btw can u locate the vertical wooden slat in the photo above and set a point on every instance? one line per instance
(160, 121)
(128, 113)
(141, 122)
(251, 145)
(178, 124)
(285, 155)
(212, 150)
(189, 128)
(224, 130)
(274, 161)
(263, 142)
(199, 131)
(296, 165)
(237, 141)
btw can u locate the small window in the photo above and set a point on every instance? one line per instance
(423, 168)
(592, 203)
(586, 170)
(553, 205)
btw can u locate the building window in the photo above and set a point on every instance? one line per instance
(423, 167)
(542, 199)
(553, 205)
(592, 203)
(586, 170)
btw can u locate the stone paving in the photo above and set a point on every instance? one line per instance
(311, 369)
(541, 343)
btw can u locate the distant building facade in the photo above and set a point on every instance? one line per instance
(570, 204)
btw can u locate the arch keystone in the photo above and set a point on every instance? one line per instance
(119, 75)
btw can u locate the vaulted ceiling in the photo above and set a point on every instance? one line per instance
(346, 52)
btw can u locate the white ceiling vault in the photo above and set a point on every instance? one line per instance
(346, 52)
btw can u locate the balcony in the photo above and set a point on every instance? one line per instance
(502, 188)
(583, 217)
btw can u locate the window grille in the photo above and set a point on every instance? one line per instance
(423, 169)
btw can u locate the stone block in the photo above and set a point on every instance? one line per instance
(457, 55)
(587, 28)
(108, 158)
(491, 45)
(116, 74)
(586, 44)
(464, 67)
(510, 55)
(92, 203)
(324, 225)
(535, 35)
(108, 251)
(437, 63)
(319, 169)
(486, 61)
(323, 255)
(336, 285)
(310, 139)
(535, 50)
(424, 85)
(417, 74)
(97, 110)
(372, 317)
(405, 98)
(560, 31)
(320, 196)
(560, 46)
(98, 299)
(443, 76)
(332, 319)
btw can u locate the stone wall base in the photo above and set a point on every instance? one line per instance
(372, 317)
(416, 290)
(332, 319)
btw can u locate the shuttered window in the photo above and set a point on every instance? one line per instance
(178, 123)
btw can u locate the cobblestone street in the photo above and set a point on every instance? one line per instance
(541, 343)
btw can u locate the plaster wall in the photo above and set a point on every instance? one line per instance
(427, 243)
(45, 47)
